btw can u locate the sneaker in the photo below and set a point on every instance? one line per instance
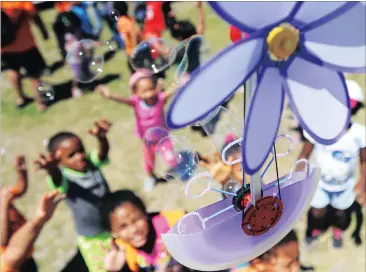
(149, 184)
(337, 241)
(76, 92)
(311, 241)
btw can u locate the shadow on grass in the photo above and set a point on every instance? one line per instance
(62, 91)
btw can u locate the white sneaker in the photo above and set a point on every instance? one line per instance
(149, 184)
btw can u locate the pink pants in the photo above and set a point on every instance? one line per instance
(167, 152)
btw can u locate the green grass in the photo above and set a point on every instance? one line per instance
(24, 132)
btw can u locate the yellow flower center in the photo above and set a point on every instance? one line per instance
(282, 42)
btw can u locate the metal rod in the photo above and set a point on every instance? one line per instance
(255, 180)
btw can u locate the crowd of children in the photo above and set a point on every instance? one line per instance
(114, 230)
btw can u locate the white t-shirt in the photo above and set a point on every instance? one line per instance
(338, 161)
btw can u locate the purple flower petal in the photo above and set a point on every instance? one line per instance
(215, 82)
(310, 12)
(252, 16)
(340, 43)
(263, 119)
(319, 99)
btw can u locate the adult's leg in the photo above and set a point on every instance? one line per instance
(16, 81)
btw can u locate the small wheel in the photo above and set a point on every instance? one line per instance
(260, 218)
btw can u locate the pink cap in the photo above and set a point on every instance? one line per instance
(139, 74)
(229, 138)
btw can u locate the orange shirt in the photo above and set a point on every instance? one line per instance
(24, 38)
(63, 6)
(127, 27)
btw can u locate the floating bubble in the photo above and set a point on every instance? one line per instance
(113, 14)
(45, 142)
(154, 135)
(111, 45)
(86, 60)
(46, 92)
(225, 131)
(231, 186)
(190, 55)
(175, 158)
(154, 54)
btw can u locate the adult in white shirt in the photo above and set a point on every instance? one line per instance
(338, 186)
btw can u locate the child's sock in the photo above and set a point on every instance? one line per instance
(337, 233)
(316, 233)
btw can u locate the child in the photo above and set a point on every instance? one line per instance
(19, 248)
(137, 244)
(12, 220)
(148, 102)
(77, 173)
(338, 181)
(281, 258)
(129, 31)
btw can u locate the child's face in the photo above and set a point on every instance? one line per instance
(145, 89)
(130, 224)
(71, 154)
(285, 258)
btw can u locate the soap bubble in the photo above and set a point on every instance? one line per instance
(113, 14)
(46, 92)
(111, 45)
(86, 60)
(231, 186)
(154, 135)
(174, 157)
(189, 55)
(154, 54)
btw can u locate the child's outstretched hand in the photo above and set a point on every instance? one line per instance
(47, 162)
(115, 258)
(101, 128)
(20, 163)
(103, 91)
(48, 204)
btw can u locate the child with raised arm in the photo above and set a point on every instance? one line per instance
(11, 219)
(77, 173)
(20, 246)
(148, 101)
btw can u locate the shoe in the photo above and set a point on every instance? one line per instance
(76, 92)
(337, 241)
(149, 184)
(311, 241)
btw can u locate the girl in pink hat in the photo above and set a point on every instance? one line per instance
(148, 101)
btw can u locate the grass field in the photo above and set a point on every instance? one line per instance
(24, 132)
